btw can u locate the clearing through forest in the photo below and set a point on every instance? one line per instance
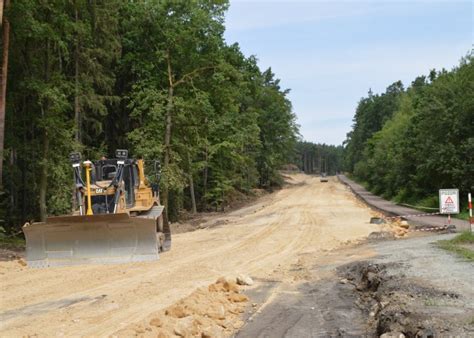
(305, 219)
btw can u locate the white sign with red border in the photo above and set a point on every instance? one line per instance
(449, 201)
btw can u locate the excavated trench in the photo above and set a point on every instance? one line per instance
(395, 304)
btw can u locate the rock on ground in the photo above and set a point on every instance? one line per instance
(244, 280)
(207, 312)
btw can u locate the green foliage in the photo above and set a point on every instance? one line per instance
(425, 142)
(371, 114)
(12, 242)
(94, 76)
(317, 158)
(464, 214)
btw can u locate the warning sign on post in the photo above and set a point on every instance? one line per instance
(449, 201)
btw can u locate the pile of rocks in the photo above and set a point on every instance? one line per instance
(208, 312)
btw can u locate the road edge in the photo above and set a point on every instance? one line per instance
(418, 224)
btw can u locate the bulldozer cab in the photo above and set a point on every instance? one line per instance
(116, 185)
(102, 175)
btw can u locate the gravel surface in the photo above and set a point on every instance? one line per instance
(407, 286)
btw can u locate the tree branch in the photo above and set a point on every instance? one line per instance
(190, 75)
(170, 77)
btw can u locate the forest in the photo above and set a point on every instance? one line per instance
(316, 158)
(154, 77)
(406, 144)
(159, 79)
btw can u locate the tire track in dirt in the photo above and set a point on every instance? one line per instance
(294, 221)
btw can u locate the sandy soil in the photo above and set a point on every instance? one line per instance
(214, 311)
(264, 239)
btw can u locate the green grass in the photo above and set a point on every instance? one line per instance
(456, 245)
(463, 215)
(12, 243)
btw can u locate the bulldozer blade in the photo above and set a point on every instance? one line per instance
(155, 213)
(96, 239)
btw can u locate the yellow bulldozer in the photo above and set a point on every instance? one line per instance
(118, 218)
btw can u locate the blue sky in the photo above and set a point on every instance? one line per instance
(329, 53)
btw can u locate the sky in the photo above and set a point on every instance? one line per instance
(330, 53)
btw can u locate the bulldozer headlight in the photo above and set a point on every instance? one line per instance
(121, 154)
(75, 158)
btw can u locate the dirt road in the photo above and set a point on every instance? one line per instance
(264, 241)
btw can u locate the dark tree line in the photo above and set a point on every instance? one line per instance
(155, 77)
(319, 158)
(408, 143)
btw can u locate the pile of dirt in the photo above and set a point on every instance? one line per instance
(399, 307)
(392, 229)
(208, 312)
(399, 227)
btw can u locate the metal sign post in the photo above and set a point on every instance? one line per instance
(449, 202)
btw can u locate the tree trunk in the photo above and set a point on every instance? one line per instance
(24, 195)
(43, 186)
(167, 155)
(191, 185)
(23, 165)
(206, 169)
(77, 116)
(13, 189)
(3, 83)
(172, 83)
(191, 190)
(305, 162)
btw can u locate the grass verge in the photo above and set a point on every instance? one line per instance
(12, 243)
(463, 215)
(462, 245)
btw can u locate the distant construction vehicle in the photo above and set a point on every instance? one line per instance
(118, 219)
(323, 178)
